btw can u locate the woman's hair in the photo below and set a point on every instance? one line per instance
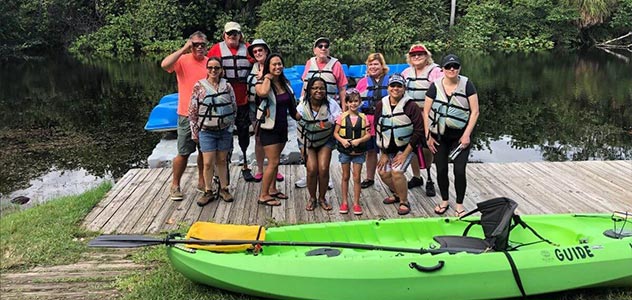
(266, 69)
(218, 60)
(379, 57)
(308, 90)
(429, 60)
(352, 93)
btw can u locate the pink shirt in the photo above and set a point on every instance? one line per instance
(188, 71)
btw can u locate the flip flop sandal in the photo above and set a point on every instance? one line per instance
(311, 204)
(404, 211)
(269, 202)
(279, 195)
(441, 209)
(324, 204)
(391, 200)
(460, 213)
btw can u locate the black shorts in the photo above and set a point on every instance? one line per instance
(271, 137)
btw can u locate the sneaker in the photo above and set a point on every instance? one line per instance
(247, 175)
(357, 210)
(205, 199)
(344, 208)
(430, 189)
(175, 194)
(280, 177)
(330, 185)
(301, 183)
(225, 195)
(415, 182)
(258, 177)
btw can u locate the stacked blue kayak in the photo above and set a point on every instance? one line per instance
(164, 116)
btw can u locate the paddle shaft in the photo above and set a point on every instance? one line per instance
(130, 241)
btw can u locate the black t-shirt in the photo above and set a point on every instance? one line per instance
(432, 90)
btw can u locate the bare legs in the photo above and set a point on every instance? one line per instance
(268, 183)
(318, 171)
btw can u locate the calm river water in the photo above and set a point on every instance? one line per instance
(66, 124)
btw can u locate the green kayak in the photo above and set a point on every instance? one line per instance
(511, 257)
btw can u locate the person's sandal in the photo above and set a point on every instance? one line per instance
(324, 204)
(404, 211)
(311, 204)
(391, 200)
(439, 210)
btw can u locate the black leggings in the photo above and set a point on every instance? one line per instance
(448, 142)
(242, 122)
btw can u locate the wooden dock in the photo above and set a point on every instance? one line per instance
(139, 202)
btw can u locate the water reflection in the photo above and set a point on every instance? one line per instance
(59, 112)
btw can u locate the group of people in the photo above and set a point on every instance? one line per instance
(425, 114)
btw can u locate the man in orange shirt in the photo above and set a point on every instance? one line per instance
(237, 63)
(189, 63)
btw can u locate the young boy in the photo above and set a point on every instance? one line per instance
(352, 133)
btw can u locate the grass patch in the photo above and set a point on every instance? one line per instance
(164, 282)
(48, 234)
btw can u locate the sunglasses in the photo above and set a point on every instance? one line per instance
(452, 67)
(396, 85)
(255, 51)
(233, 33)
(323, 46)
(416, 54)
(196, 45)
(214, 68)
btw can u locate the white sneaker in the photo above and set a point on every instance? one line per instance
(330, 185)
(301, 183)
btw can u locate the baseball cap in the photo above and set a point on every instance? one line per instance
(416, 49)
(320, 39)
(230, 26)
(450, 59)
(260, 43)
(396, 78)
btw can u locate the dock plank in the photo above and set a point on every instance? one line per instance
(139, 202)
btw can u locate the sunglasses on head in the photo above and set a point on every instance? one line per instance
(201, 44)
(323, 46)
(233, 32)
(214, 68)
(452, 67)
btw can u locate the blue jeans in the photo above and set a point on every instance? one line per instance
(220, 140)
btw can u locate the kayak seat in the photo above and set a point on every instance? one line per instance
(496, 216)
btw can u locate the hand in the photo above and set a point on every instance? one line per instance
(398, 160)
(267, 112)
(269, 76)
(465, 141)
(381, 163)
(354, 143)
(260, 74)
(188, 47)
(432, 144)
(348, 144)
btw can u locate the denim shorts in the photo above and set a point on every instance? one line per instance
(220, 140)
(402, 168)
(356, 159)
(186, 145)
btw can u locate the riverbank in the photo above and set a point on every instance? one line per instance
(46, 247)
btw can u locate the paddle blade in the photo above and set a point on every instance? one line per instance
(124, 241)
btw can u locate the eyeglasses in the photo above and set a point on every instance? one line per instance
(452, 67)
(418, 54)
(255, 51)
(196, 45)
(323, 46)
(214, 68)
(233, 33)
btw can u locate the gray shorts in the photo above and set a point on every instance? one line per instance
(186, 145)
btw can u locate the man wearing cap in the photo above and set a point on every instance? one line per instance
(189, 68)
(329, 68)
(237, 64)
(399, 131)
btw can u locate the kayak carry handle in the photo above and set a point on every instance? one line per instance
(437, 267)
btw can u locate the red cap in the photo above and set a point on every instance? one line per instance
(416, 49)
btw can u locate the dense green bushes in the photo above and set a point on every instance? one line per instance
(138, 27)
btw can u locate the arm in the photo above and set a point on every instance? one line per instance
(264, 88)
(343, 142)
(168, 62)
(430, 140)
(474, 112)
(193, 111)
